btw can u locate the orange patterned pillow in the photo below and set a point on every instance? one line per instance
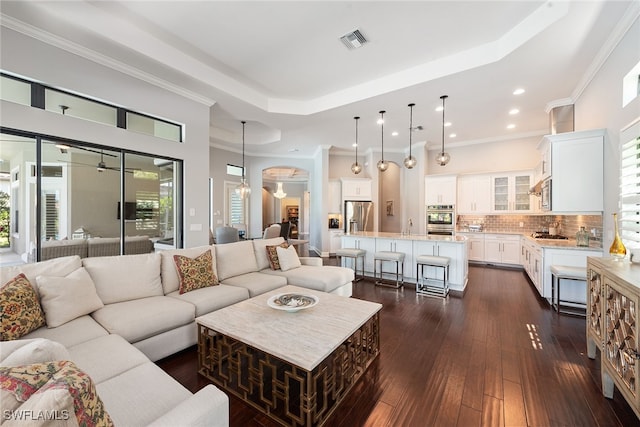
(272, 254)
(20, 311)
(195, 273)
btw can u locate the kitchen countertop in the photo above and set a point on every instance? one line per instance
(400, 236)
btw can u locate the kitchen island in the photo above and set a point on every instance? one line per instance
(413, 245)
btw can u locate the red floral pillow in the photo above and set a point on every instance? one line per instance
(20, 311)
(195, 273)
(272, 254)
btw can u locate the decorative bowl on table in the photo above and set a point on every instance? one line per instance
(292, 302)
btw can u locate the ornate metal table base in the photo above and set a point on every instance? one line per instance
(287, 393)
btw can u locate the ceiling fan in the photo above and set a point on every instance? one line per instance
(102, 166)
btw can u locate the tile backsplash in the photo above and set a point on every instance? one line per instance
(567, 225)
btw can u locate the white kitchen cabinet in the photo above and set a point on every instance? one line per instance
(335, 240)
(458, 264)
(577, 171)
(335, 197)
(440, 190)
(356, 189)
(570, 257)
(474, 194)
(532, 260)
(510, 193)
(502, 248)
(475, 245)
(366, 243)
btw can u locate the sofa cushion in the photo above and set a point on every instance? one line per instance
(195, 273)
(155, 393)
(288, 258)
(125, 277)
(71, 333)
(260, 249)
(257, 283)
(106, 357)
(20, 309)
(59, 386)
(233, 259)
(53, 267)
(27, 352)
(66, 298)
(212, 298)
(272, 254)
(138, 319)
(326, 278)
(169, 273)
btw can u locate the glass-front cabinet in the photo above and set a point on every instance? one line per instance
(511, 193)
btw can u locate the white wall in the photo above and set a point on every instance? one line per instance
(600, 106)
(36, 60)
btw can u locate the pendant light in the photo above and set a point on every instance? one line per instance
(382, 165)
(243, 190)
(280, 194)
(410, 161)
(443, 158)
(356, 167)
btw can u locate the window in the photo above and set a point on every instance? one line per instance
(15, 90)
(630, 186)
(631, 85)
(236, 207)
(234, 170)
(82, 108)
(150, 126)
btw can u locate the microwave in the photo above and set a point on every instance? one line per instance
(545, 194)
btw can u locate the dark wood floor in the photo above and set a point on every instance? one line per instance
(496, 357)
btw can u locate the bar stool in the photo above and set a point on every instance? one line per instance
(565, 272)
(353, 254)
(431, 286)
(388, 256)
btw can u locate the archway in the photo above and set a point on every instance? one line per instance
(291, 204)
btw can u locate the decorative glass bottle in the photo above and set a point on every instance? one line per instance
(582, 237)
(617, 249)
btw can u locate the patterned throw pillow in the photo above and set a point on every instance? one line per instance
(272, 254)
(20, 311)
(58, 389)
(195, 273)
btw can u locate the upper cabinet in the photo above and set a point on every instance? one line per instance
(474, 194)
(577, 170)
(440, 190)
(510, 192)
(356, 189)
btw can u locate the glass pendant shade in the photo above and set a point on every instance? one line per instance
(443, 158)
(280, 194)
(356, 168)
(243, 190)
(382, 165)
(410, 161)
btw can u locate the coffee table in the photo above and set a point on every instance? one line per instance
(294, 367)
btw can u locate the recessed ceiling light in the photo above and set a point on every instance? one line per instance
(514, 111)
(518, 91)
(511, 126)
(293, 150)
(452, 135)
(394, 133)
(447, 124)
(354, 145)
(439, 108)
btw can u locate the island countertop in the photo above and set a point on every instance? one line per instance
(402, 236)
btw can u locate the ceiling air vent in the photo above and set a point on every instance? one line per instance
(353, 40)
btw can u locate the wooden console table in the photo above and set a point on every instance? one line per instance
(613, 298)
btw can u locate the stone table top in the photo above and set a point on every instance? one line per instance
(304, 338)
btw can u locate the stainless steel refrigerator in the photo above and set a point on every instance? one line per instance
(358, 216)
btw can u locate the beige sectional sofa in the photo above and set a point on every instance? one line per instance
(142, 317)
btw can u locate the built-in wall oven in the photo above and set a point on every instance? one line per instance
(441, 219)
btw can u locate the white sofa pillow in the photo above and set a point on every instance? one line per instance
(30, 351)
(260, 249)
(169, 273)
(125, 277)
(234, 259)
(288, 258)
(66, 298)
(53, 267)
